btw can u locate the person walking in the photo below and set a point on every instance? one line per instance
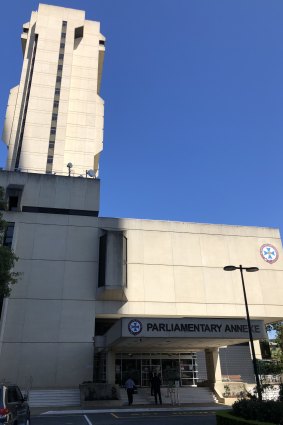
(156, 383)
(130, 386)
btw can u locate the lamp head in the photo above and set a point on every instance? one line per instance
(252, 269)
(230, 268)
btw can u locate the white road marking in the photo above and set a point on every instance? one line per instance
(88, 421)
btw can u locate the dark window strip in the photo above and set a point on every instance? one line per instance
(49, 161)
(64, 211)
(102, 260)
(19, 150)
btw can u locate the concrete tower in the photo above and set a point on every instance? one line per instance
(55, 115)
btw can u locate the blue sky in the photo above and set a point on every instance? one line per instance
(193, 95)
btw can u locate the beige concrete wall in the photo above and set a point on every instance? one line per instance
(10, 114)
(49, 191)
(48, 327)
(174, 270)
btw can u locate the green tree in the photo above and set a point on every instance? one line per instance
(8, 258)
(278, 328)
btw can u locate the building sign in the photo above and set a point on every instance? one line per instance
(269, 253)
(192, 328)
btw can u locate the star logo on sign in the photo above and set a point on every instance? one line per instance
(135, 327)
(269, 253)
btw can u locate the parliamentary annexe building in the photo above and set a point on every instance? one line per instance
(102, 298)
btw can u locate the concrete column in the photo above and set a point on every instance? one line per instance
(110, 367)
(213, 366)
(257, 349)
(214, 374)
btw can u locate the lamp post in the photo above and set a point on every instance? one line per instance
(250, 270)
(69, 165)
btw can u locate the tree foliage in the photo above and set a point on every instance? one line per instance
(278, 328)
(8, 258)
(269, 367)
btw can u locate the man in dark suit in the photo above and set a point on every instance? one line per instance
(156, 383)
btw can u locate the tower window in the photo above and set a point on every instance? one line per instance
(13, 203)
(13, 198)
(79, 32)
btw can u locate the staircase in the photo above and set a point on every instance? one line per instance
(71, 397)
(196, 395)
(64, 397)
(184, 395)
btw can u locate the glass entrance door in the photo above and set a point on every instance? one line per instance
(170, 371)
(126, 368)
(171, 367)
(188, 372)
(149, 367)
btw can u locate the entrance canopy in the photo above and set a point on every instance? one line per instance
(186, 334)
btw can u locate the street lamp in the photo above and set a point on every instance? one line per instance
(69, 165)
(250, 270)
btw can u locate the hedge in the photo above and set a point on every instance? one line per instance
(255, 410)
(226, 418)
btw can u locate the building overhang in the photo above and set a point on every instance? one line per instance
(169, 335)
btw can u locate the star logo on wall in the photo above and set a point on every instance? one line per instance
(269, 253)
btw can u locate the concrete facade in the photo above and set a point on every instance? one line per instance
(92, 289)
(55, 115)
(173, 270)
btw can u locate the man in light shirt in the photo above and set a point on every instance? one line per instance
(130, 386)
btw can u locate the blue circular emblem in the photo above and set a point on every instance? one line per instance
(135, 327)
(269, 253)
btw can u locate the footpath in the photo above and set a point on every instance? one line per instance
(102, 408)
